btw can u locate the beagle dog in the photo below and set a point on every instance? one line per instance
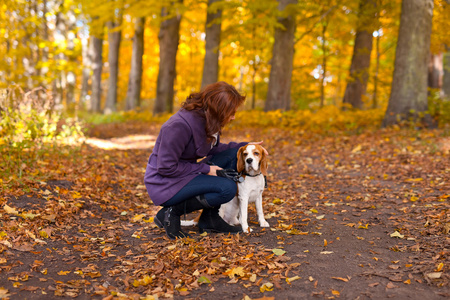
(252, 165)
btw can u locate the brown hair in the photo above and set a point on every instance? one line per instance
(217, 103)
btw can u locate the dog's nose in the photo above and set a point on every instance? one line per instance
(249, 160)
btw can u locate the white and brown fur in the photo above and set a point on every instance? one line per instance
(252, 163)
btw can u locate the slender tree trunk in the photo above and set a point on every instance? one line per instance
(279, 90)
(435, 71)
(135, 79)
(114, 39)
(169, 35)
(71, 77)
(359, 69)
(375, 77)
(408, 99)
(59, 84)
(446, 77)
(43, 72)
(212, 43)
(86, 52)
(97, 65)
(324, 64)
(255, 69)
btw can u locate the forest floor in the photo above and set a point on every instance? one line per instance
(352, 216)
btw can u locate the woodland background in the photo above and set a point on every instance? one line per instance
(108, 56)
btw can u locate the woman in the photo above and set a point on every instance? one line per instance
(176, 180)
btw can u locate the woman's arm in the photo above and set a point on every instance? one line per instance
(174, 139)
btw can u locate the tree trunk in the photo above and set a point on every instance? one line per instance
(86, 51)
(72, 57)
(135, 79)
(97, 64)
(324, 64)
(435, 71)
(408, 99)
(377, 71)
(212, 43)
(43, 72)
(359, 69)
(446, 78)
(279, 90)
(114, 38)
(169, 35)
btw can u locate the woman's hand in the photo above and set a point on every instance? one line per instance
(259, 143)
(213, 169)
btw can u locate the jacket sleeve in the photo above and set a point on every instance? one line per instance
(174, 140)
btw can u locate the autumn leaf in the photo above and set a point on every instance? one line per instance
(290, 279)
(336, 293)
(10, 210)
(267, 286)
(203, 279)
(278, 251)
(341, 278)
(63, 272)
(239, 271)
(397, 235)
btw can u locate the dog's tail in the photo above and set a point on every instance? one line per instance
(190, 222)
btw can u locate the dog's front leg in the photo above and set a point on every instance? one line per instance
(260, 212)
(243, 213)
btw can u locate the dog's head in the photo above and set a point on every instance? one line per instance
(252, 159)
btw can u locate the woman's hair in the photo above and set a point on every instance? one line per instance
(217, 103)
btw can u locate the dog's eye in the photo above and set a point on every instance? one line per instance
(245, 154)
(256, 153)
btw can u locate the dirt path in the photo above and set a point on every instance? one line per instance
(352, 217)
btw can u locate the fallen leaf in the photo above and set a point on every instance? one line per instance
(290, 279)
(278, 251)
(390, 285)
(434, 275)
(336, 293)
(397, 234)
(341, 278)
(266, 287)
(326, 252)
(203, 279)
(10, 210)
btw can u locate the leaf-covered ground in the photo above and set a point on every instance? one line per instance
(352, 216)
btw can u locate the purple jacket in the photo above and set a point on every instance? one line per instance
(173, 163)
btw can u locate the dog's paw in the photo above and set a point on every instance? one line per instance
(247, 229)
(264, 223)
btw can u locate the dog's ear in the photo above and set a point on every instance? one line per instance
(263, 161)
(240, 160)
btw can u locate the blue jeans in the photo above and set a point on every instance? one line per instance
(217, 190)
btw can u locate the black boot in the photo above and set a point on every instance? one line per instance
(169, 217)
(159, 218)
(210, 221)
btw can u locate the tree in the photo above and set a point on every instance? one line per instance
(279, 91)
(408, 99)
(134, 83)
(169, 36)
(446, 77)
(114, 39)
(359, 69)
(97, 66)
(212, 42)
